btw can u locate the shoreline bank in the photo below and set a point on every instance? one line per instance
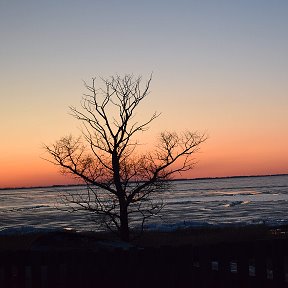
(63, 239)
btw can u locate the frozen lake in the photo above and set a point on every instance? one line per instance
(199, 202)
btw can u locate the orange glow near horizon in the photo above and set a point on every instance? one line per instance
(225, 153)
(213, 160)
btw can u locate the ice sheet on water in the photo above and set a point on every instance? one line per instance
(28, 207)
(168, 227)
(233, 193)
(26, 230)
(235, 203)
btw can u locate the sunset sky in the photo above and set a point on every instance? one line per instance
(218, 66)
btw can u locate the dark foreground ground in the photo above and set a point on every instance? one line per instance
(94, 240)
(254, 256)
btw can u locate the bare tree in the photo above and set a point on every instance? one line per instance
(120, 182)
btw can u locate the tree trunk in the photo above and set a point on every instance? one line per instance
(124, 227)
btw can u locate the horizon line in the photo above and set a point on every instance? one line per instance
(177, 179)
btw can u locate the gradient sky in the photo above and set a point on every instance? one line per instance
(218, 66)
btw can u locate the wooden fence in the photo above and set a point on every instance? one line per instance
(248, 264)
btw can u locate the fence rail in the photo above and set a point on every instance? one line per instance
(247, 264)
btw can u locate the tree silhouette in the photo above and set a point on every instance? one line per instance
(120, 182)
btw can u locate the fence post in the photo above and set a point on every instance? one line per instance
(278, 257)
(261, 253)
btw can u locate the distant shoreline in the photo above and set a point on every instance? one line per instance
(229, 177)
(180, 179)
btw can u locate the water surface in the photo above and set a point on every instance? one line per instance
(201, 202)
